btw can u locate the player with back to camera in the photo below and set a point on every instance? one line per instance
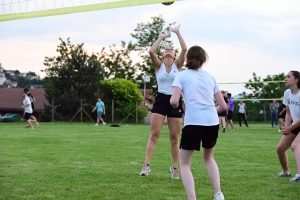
(166, 70)
(201, 122)
(291, 134)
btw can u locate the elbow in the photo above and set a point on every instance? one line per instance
(223, 107)
(173, 102)
(151, 52)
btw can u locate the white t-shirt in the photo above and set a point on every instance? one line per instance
(27, 109)
(165, 80)
(241, 107)
(293, 102)
(198, 89)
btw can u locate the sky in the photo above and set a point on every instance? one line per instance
(241, 37)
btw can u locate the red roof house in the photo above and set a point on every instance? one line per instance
(11, 101)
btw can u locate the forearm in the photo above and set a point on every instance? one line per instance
(288, 119)
(155, 45)
(182, 42)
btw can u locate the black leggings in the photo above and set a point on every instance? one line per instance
(240, 116)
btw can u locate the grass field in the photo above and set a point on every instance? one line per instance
(81, 161)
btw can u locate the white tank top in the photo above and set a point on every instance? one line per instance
(165, 80)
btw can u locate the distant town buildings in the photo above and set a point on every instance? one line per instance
(10, 78)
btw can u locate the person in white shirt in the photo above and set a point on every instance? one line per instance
(201, 122)
(27, 109)
(242, 113)
(291, 133)
(166, 70)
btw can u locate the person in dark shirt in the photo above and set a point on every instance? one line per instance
(281, 115)
(222, 115)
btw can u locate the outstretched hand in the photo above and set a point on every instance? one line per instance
(175, 29)
(163, 35)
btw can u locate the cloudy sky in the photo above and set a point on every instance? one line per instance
(240, 36)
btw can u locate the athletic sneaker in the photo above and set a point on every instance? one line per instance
(219, 196)
(175, 172)
(296, 178)
(96, 124)
(145, 170)
(104, 123)
(283, 174)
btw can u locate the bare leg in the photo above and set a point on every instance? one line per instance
(223, 123)
(186, 174)
(29, 123)
(296, 149)
(157, 121)
(283, 145)
(212, 167)
(281, 123)
(231, 124)
(174, 125)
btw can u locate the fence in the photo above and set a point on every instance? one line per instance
(80, 110)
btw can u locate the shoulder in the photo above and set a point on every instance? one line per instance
(287, 92)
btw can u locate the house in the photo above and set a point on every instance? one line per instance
(14, 84)
(2, 78)
(11, 101)
(23, 74)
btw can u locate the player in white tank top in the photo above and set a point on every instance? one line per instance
(166, 70)
(165, 80)
(291, 134)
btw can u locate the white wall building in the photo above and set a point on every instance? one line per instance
(2, 78)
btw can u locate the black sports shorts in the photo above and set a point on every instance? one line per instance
(229, 115)
(27, 116)
(223, 114)
(296, 131)
(162, 106)
(192, 135)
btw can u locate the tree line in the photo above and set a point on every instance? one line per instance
(75, 75)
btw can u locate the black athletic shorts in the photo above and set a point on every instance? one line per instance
(282, 116)
(162, 106)
(296, 131)
(192, 135)
(27, 116)
(229, 115)
(223, 114)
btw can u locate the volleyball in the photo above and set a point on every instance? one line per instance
(168, 3)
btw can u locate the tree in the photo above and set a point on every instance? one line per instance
(126, 96)
(72, 76)
(145, 35)
(118, 63)
(261, 89)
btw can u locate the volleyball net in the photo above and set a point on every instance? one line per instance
(24, 9)
(244, 98)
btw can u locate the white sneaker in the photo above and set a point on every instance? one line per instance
(96, 124)
(219, 196)
(104, 123)
(296, 178)
(283, 174)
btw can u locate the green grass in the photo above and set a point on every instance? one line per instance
(81, 161)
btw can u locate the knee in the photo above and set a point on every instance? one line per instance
(294, 146)
(280, 150)
(154, 136)
(174, 139)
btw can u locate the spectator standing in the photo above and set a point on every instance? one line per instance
(274, 113)
(242, 113)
